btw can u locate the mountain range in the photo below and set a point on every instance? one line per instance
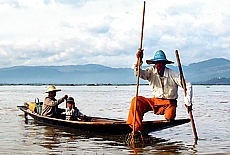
(200, 72)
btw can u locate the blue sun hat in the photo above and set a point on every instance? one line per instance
(159, 56)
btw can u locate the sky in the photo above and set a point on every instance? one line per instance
(108, 32)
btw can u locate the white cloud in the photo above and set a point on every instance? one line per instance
(53, 32)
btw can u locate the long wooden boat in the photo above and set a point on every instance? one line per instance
(103, 125)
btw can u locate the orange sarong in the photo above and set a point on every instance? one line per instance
(159, 106)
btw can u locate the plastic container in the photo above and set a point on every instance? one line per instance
(38, 106)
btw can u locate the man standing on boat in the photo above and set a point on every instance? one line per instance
(50, 105)
(164, 84)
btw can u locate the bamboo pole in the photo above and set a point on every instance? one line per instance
(185, 93)
(138, 73)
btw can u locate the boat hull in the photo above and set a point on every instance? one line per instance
(103, 125)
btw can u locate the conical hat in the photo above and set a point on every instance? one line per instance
(52, 88)
(159, 56)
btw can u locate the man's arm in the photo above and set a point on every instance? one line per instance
(189, 92)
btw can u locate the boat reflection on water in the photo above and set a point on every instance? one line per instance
(158, 146)
(55, 137)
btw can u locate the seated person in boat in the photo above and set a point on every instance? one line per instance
(50, 104)
(72, 112)
(164, 84)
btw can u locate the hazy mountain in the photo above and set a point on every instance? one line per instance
(218, 81)
(94, 73)
(79, 74)
(206, 70)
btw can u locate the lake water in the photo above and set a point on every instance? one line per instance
(211, 114)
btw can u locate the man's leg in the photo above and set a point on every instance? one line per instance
(170, 112)
(141, 108)
(165, 107)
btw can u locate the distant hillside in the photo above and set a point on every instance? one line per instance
(95, 73)
(79, 74)
(206, 70)
(216, 81)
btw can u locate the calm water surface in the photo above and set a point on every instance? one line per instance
(211, 114)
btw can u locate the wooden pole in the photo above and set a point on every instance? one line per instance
(138, 71)
(185, 93)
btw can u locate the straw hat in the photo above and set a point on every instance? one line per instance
(51, 89)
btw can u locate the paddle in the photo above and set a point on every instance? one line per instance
(138, 73)
(185, 93)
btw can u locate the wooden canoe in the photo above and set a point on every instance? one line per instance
(103, 125)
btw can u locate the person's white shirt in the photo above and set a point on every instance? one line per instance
(171, 81)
